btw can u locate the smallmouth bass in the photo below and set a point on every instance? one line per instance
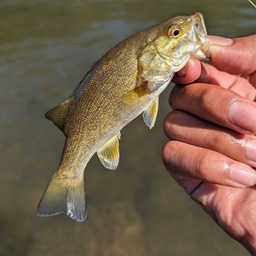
(124, 83)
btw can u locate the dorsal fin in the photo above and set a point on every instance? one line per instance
(58, 114)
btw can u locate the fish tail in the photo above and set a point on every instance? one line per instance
(60, 197)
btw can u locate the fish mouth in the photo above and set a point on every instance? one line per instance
(203, 51)
(199, 37)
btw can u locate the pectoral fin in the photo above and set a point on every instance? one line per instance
(150, 113)
(109, 153)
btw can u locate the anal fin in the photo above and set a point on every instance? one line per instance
(150, 113)
(109, 153)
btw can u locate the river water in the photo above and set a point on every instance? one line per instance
(46, 46)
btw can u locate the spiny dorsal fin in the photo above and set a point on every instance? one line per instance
(109, 153)
(150, 113)
(58, 114)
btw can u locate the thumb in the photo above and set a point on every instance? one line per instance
(235, 56)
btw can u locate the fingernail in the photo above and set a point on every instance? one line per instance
(222, 41)
(251, 150)
(242, 174)
(243, 115)
(183, 71)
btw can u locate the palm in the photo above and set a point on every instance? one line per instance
(234, 209)
(212, 147)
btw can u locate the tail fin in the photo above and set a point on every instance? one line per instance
(60, 197)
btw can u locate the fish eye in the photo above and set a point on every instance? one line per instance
(174, 31)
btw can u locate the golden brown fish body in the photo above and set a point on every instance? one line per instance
(125, 82)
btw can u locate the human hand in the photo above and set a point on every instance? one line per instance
(212, 146)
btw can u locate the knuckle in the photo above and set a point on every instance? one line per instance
(173, 155)
(218, 138)
(174, 96)
(209, 96)
(169, 124)
(204, 162)
(169, 150)
(167, 154)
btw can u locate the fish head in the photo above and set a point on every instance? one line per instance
(182, 38)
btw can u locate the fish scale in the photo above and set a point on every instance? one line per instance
(121, 85)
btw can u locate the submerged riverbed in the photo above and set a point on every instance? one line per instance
(46, 47)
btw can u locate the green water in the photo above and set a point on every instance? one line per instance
(45, 49)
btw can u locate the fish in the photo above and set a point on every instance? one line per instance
(124, 83)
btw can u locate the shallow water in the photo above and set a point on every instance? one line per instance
(45, 49)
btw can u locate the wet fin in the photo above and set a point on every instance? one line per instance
(150, 113)
(58, 114)
(60, 198)
(109, 153)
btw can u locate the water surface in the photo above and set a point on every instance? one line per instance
(45, 49)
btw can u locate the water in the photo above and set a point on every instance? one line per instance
(45, 49)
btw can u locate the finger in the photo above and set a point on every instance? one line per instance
(198, 72)
(217, 105)
(191, 163)
(237, 84)
(188, 74)
(237, 58)
(194, 71)
(181, 126)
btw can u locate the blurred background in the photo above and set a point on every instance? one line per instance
(46, 47)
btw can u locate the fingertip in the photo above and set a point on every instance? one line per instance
(166, 124)
(242, 114)
(217, 44)
(227, 54)
(242, 174)
(221, 41)
(183, 71)
(166, 154)
(189, 73)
